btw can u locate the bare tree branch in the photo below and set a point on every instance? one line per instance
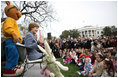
(24, 6)
(37, 11)
(15, 4)
(3, 19)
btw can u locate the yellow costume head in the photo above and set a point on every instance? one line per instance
(12, 11)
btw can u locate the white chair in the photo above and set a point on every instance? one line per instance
(23, 57)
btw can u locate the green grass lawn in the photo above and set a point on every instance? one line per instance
(72, 72)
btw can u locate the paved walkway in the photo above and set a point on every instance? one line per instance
(33, 71)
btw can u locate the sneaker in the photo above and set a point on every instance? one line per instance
(78, 72)
(52, 75)
(80, 64)
(14, 72)
(20, 67)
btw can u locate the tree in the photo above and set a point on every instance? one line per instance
(114, 30)
(72, 33)
(36, 11)
(65, 34)
(108, 31)
(23, 30)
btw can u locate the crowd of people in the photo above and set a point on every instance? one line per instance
(96, 57)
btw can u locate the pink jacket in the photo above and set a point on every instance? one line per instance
(68, 59)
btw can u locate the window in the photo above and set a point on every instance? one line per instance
(101, 32)
(98, 32)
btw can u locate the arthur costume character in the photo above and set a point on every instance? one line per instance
(12, 34)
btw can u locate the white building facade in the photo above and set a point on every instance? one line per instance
(90, 31)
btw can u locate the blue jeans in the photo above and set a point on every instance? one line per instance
(68, 63)
(12, 54)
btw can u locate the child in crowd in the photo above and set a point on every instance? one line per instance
(80, 61)
(92, 47)
(71, 51)
(114, 60)
(61, 53)
(74, 57)
(108, 69)
(98, 67)
(101, 52)
(108, 55)
(92, 56)
(87, 67)
(64, 54)
(67, 59)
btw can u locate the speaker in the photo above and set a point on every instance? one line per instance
(49, 35)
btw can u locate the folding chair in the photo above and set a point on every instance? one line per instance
(23, 57)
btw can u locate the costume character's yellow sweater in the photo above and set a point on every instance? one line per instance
(9, 27)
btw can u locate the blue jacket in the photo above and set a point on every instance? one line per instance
(31, 43)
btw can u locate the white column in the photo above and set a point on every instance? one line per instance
(84, 33)
(81, 33)
(95, 34)
(91, 33)
(87, 33)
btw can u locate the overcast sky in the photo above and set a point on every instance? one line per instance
(76, 14)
